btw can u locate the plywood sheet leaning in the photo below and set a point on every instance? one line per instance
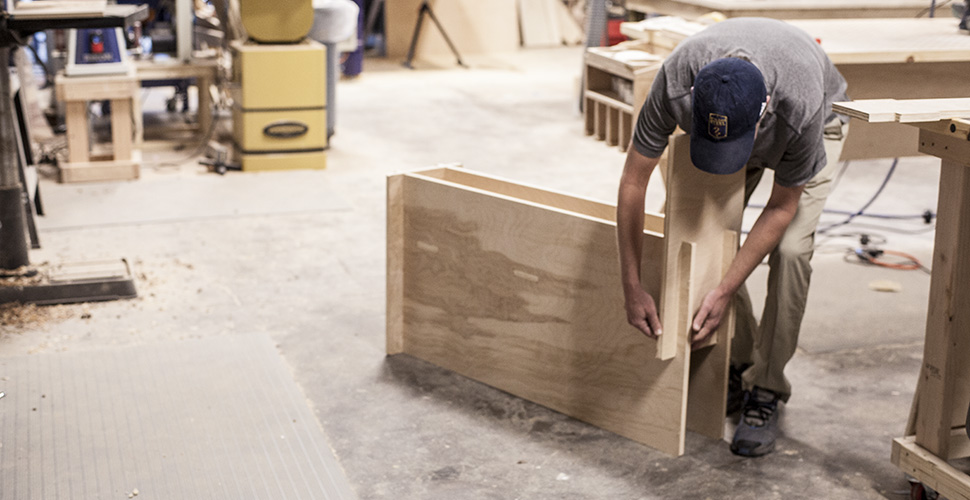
(477, 28)
(572, 32)
(539, 23)
(524, 297)
(518, 287)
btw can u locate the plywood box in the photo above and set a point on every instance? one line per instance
(618, 80)
(518, 287)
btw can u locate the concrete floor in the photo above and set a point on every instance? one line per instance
(300, 256)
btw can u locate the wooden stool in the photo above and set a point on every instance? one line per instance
(122, 162)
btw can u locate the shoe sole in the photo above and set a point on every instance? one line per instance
(759, 451)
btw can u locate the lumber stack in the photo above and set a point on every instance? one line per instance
(906, 111)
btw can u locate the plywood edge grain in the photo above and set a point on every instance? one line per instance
(395, 264)
(709, 365)
(552, 198)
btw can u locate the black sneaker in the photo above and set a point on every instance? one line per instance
(758, 428)
(735, 395)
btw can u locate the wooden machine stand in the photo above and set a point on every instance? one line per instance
(120, 162)
(615, 90)
(937, 432)
(519, 288)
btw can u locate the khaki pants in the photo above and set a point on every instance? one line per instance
(769, 346)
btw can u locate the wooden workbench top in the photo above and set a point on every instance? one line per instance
(867, 41)
(784, 9)
(848, 41)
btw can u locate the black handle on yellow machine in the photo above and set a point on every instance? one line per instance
(286, 129)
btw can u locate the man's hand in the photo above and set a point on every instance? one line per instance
(641, 312)
(709, 316)
(763, 237)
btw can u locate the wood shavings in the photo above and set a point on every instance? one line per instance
(886, 286)
(23, 276)
(19, 317)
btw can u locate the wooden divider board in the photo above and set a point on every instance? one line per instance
(519, 288)
(705, 209)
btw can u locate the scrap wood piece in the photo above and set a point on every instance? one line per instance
(905, 110)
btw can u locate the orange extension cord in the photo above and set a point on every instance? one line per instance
(909, 263)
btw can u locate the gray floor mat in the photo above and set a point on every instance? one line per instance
(217, 418)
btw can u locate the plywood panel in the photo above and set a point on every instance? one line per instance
(879, 140)
(539, 23)
(527, 299)
(518, 288)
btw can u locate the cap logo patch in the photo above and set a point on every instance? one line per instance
(717, 126)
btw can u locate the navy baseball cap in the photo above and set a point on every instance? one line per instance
(728, 99)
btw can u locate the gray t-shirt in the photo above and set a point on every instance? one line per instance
(801, 80)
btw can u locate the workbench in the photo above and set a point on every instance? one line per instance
(936, 432)
(879, 58)
(783, 9)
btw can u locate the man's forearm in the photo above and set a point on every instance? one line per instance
(629, 216)
(763, 238)
(629, 238)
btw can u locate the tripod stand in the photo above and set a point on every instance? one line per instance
(965, 23)
(426, 9)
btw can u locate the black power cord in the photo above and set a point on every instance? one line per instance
(927, 216)
(861, 211)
